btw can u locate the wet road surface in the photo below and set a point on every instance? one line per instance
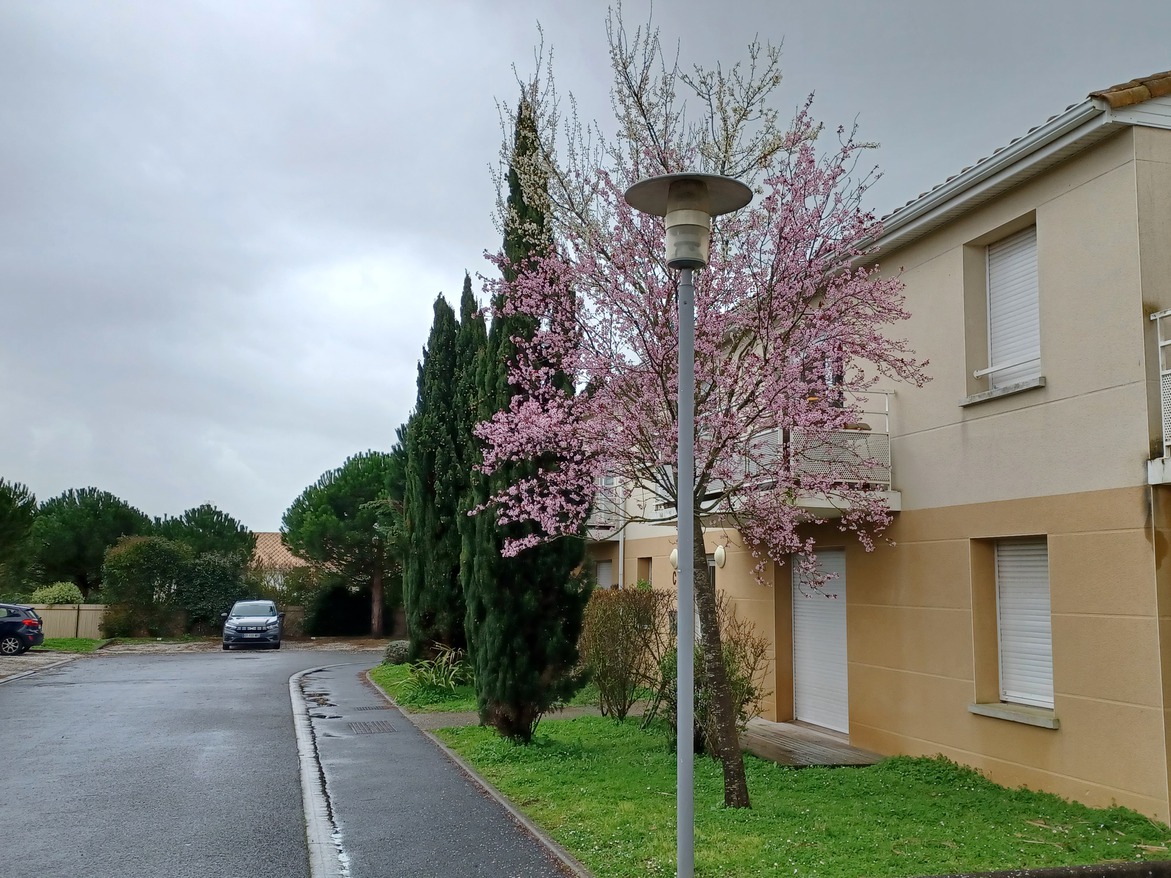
(155, 765)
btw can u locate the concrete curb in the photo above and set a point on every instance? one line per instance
(322, 833)
(567, 861)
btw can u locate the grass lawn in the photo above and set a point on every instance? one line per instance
(71, 644)
(606, 791)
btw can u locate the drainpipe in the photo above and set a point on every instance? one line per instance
(622, 558)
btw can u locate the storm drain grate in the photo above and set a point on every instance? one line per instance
(374, 707)
(375, 728)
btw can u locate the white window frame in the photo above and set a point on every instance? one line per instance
(1024, 623)
(1013, 303)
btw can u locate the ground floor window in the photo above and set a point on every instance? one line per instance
(1024, 625)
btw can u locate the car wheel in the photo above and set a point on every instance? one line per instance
(226, 646)
(11, 645)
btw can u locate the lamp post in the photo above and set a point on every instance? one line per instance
(688, 202)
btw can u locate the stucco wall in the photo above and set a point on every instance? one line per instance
(1089, 428)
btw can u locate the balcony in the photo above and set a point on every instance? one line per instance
(859, 456)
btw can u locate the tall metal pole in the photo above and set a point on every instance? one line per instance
(685, 617)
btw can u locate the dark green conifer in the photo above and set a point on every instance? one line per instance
(524, 614)
(434, 491)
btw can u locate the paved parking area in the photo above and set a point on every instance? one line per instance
(33, 660)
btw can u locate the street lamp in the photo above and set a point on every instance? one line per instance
(688, 202)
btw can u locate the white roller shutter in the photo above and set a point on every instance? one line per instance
(1014, 327)
(1024, 622)
(820, 691)
(605, 572)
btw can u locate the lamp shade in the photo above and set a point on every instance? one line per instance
(688, 202)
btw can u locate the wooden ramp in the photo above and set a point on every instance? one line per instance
(791, 744)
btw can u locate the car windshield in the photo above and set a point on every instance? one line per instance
(254, 608)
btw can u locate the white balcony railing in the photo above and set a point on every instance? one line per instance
(859, 456)
(1159, 470)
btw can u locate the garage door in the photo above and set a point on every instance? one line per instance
(820, 694)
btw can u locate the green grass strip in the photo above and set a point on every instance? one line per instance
(393, 678)
(71, 644)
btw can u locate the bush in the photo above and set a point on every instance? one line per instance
(397, 652)
(336, 610)
(57, 593)
(439, 676)
(745, 662)
(140, 580)
(211, 583)
(616, 638)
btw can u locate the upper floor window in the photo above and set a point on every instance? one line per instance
(1014, 329)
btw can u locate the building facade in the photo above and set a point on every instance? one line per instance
(1018, 617)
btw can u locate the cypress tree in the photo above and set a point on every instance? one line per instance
(470, 350)
(434, 490)
(524, 614)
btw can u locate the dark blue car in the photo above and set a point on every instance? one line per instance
(20, 629)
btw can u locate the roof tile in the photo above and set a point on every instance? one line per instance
(1127, 94)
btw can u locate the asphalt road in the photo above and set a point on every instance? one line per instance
(155, 765)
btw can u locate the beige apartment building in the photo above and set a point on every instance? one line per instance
(1019, 618)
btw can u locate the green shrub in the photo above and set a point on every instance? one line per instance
(211, 583)
(438, 676)
(57, 593)
(745, 663)
(618, 630)
(337, 610)
(398, 652)
(140, 581)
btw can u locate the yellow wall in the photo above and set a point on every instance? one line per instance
(913, 668)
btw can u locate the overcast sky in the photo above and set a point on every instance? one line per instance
(223, 224)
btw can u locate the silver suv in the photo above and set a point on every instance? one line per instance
(253, 623)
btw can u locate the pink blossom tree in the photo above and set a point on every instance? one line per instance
(792, 323)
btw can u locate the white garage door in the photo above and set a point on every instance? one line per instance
(820, 694)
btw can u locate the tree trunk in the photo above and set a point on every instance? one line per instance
(376, 629)
(716, 678)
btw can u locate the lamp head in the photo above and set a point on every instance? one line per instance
(688, 202)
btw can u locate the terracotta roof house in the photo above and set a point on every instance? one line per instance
(1019, 619)
(274, 559)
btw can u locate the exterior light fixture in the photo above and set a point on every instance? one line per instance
(687, 202)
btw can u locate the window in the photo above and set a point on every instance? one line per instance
(1023, 622)
(1014, 337)
(644, 570)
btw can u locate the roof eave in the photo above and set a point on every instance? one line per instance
(1077, 128)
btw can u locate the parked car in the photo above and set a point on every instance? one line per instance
(253, 623)
(20, 629)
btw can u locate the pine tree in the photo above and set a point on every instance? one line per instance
(524, 612)
(434, 490)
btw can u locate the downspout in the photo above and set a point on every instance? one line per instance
(622, 557)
